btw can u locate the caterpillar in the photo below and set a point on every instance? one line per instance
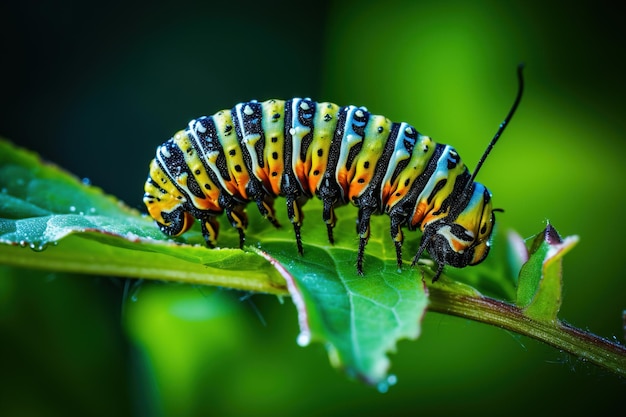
(299, 149)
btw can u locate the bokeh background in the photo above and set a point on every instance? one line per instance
(96, 86)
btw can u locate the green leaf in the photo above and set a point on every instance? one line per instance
(84, 230)
(358, 318)
(540, 281)
(74, 227)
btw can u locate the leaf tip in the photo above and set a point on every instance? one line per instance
(551, 236)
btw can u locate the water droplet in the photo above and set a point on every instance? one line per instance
(131, 289)
(383, 386)
(38, 247)
(72, 209)
(86, 181)
(304, 338)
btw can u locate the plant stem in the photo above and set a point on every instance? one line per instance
(586, 346)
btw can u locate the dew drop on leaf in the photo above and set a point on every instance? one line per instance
(38, 246)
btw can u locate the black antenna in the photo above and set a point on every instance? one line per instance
(503, 125)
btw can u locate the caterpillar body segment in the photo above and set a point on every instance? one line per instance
(301, 149)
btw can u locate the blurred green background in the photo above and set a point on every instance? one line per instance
(96, 86)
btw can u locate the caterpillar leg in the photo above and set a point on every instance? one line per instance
(398, 238)
(239, 220)
(266, 208)
(210, 230)
(438, 273)
(329, 217)
(427, 238)
(295, 215)
(363, 230)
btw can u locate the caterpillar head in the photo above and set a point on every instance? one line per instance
(463, 236)
(463, 239)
